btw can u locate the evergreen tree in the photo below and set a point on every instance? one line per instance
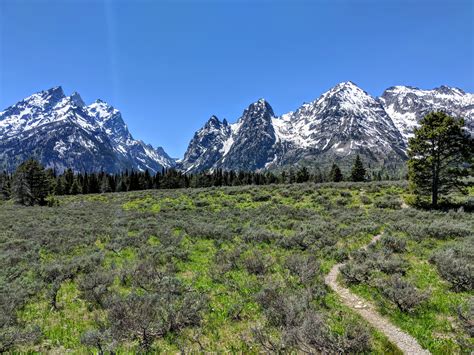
(59, 187)
(335, 174)
(439, 156)
(302, 175)
(30, 183)
(68, 180)
(75, 189)
(105, 184)
(5, 190)
(358, 170)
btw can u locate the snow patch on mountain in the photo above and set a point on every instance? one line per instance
(407, 105)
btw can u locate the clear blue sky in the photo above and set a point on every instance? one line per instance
(169, 65)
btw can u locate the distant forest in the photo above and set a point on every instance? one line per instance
(49, 182)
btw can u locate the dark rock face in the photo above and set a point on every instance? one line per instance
(62, 132)
(253, 141)
(206, 147)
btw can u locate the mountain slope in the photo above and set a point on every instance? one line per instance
(207, 145)
(343, 122)
(407, 105)
(251, 145)
(62, 132)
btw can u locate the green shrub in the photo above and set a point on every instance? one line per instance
(456, 265)
(393, 244)
(356, 273)
(402, 293)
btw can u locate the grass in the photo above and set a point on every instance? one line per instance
(185, 230)
(434, 323)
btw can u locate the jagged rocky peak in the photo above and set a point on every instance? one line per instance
(259, 109)
(39, 101)
(53, 94)
(348, 94)
(102, 110)
(77, 99)
(407, 105)
(213, 121)
(443, 89)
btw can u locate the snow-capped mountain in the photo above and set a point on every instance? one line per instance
(407, 105)
(62, 132)
(207, 145)
(343, 122)
(246, 144)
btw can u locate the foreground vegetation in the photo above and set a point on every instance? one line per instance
(232, 268)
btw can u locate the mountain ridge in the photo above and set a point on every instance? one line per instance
(63, 132)
(340, 123)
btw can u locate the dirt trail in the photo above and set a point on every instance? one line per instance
(402, 340)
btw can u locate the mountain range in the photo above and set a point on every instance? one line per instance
(63, 132)
(341, 123)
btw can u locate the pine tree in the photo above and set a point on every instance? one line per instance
(439, 156)
(335, 174)
(5, 190)
(302, 175)
(30, 183)
(75, 189)
(358, 170)
(59, 187)
(21, 190)
(105, 185)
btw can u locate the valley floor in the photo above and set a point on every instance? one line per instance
(234, 269)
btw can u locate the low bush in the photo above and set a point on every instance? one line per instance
(466, 316)
(392, 202)
(402, 293)
(393, 244)
(456, 265)
(94, 287)
(306, 268)
(356, 273)
(391, 264)
(257, 263)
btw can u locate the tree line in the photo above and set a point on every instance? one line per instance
(31, 183)
(440, 161)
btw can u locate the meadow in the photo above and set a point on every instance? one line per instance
(233, 269)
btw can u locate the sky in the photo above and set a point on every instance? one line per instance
(169, 65)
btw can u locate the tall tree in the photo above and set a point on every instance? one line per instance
(302, 175)
(335, 174)
(4, 186)
(358, 170)
(440, 155)
(30, 183)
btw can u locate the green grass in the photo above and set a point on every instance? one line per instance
(187, 228)
(434, 323)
